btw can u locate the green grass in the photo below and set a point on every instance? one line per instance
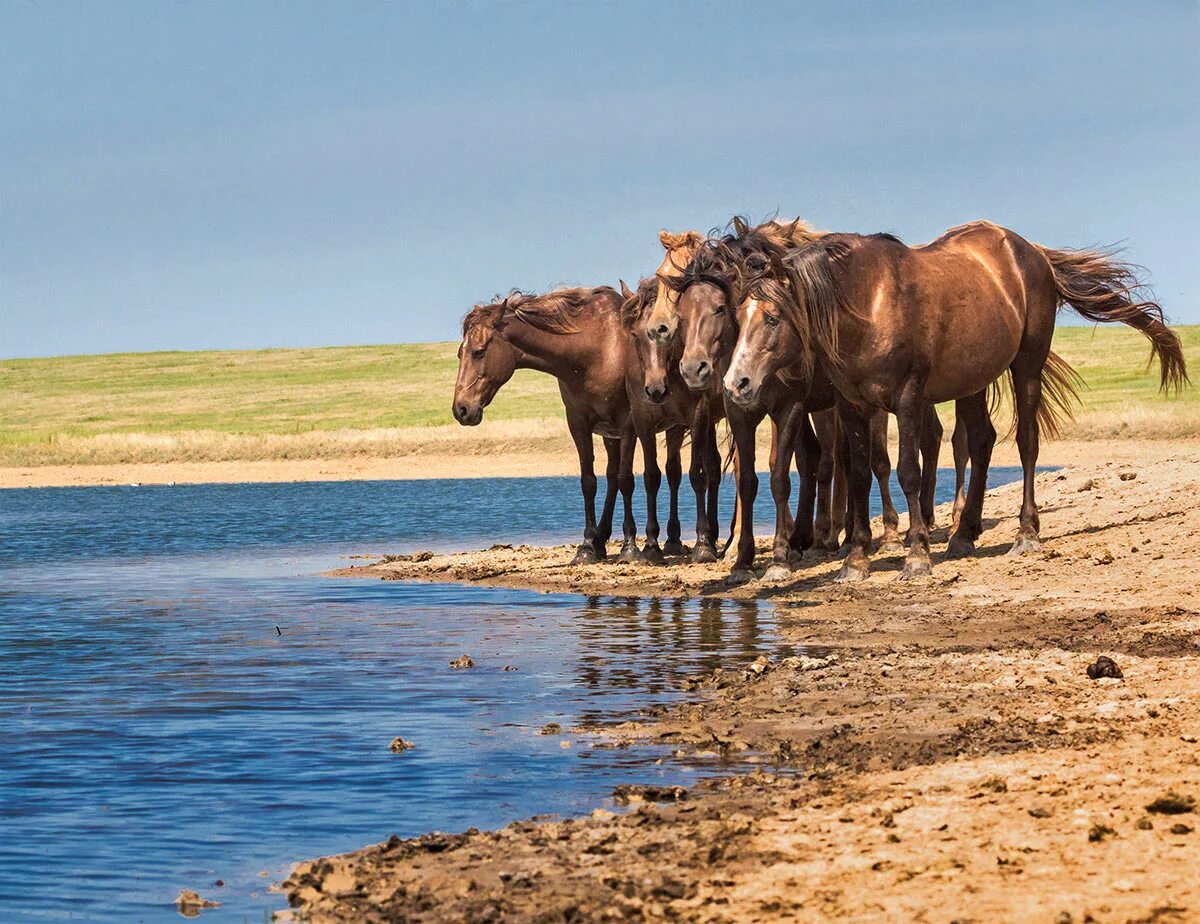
(318, 402)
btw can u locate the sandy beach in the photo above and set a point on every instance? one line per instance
(937, 752)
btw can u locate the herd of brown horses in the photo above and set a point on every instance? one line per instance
(826, 334)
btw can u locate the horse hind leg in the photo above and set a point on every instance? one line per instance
(629, 547)
(961, 454)
(1027, 394)
(978, 436)
(881, 466)
(931, 448)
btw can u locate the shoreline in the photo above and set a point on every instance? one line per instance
(951, 757)
(473, 462)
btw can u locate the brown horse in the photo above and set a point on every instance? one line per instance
(576, 336)
(706, 287)
(899, 328)
(659, 401)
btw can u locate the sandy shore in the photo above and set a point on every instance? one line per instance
(471, 460)
(940, 754)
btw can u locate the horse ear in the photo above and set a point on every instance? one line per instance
(675, 241)
(626, 293)
(739, 225)
(668, 240)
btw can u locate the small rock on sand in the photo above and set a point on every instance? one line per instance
(190, 904)
(399, 745)
(1128, 476)
(627, 793)
(1104, 666)
(1172, 803)
(463, 662)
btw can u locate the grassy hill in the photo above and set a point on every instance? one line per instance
(252, 404)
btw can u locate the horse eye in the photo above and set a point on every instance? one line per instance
(478, 354)
(771, 319)
(720, 309)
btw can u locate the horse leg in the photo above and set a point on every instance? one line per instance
(856, 427)
(826, 432)
(1027, 390)
(781, 489)
(910, 414)
(704, 550)
(712, 472)
(808, 457)
(675, 437)
(629, 549)
(979, 436)
(931, 447)
(881, 465)
(961, 453)
(842, 498)
(735, 528)
(651, 479)
(587, 485)
(612, 472)
(743, 427)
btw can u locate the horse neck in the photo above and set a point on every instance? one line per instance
(563, 356)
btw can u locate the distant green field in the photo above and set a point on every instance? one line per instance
(315, 402)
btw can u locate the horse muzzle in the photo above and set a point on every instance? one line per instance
(697, 375)
(469, 415)
(656, 394)
(740, 390)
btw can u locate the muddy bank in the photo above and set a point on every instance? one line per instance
(944, 755)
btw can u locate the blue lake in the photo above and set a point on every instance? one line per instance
(183, 701)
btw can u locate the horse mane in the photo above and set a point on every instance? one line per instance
(635, 306)
(555, 312)
(714, 262)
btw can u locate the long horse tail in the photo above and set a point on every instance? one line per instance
(1104, 289)
(1060, 393)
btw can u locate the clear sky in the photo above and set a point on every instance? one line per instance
(245, 174)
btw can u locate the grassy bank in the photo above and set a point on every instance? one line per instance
(394, 400)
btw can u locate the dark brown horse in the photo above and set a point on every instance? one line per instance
(707, 324)
(659, 400)
(899, 328)
(576, 336)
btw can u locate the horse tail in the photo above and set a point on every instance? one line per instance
(1102, 288)
(1060, 393)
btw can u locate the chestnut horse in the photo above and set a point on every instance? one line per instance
(899, 328)
(706, 288)
(576, 336)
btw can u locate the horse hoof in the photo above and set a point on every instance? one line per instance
(652, 554)
(915, 569)
(795, 557)
(776, 573)
(739, 576)
(844, 549)
(891, 544)
(586, 555)
(853, 572)
(1025, 544)
(960, 547)
(703, 554)
(674, 547)
(629, 552)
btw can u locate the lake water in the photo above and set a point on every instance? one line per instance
(182, 700)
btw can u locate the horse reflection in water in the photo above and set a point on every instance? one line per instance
(652, 645)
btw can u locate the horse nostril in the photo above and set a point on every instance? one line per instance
(462, 410)
(702, 368)
(662, 329)
(743, 384)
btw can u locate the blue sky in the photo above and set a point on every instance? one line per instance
(218, 174)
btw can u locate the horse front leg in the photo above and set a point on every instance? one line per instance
(582, 437)
(856, 428)
(705, 549)
(881, 466)
(978, 437)
(910, 414)
(651, 479)
(808, 458)
(743, 427)
(825, 427)
(781, 490)
(629, 549)
(612, 471)
(675, 437)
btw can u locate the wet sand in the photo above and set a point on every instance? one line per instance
(943, 756)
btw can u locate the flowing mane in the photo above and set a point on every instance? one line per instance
(555, 312)
(635, 306)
